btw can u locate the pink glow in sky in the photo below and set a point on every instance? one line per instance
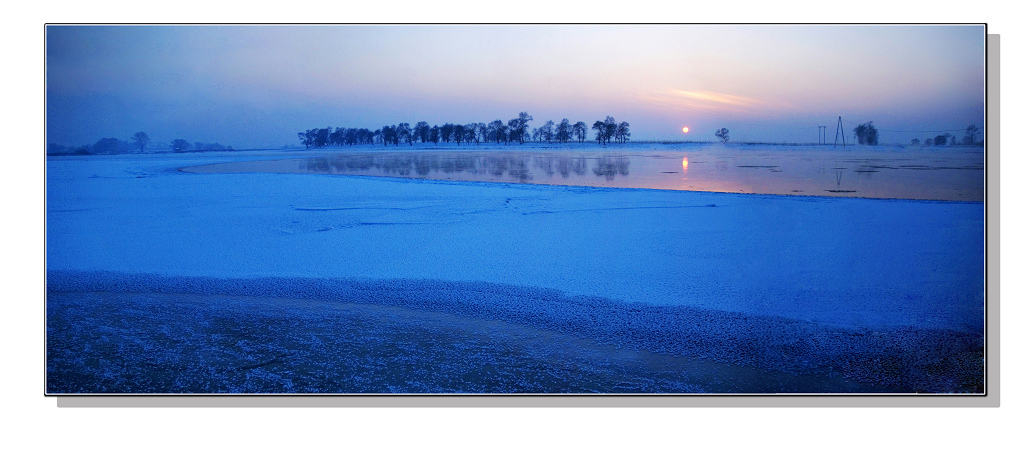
(256, 86)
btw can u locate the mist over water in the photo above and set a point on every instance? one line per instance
(947, 173)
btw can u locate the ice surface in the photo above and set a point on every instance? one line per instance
(839, 261)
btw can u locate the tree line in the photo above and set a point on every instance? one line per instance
(867, 134)
(971, 138)
(515, 130)
(138, 142)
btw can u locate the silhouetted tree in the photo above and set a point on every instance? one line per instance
(609, 127)
(498, 131)
(180, 145)
(435, 134)
(514, 130)
(970, 135)
(622, 132)
(915, 142)
(599, 131)
(422, 131)
(404, 133)
(481, 132)
(546, 132)
(207, 147)
(469, 134)
(866, 134)
(563, 132)
(322, 137)
(109, 146)
(141, 140)
(447, 130)
(524, 120)
(458, 132)
(580, 131)
(723, 134)
(389, 134)
(942, 139)
(306, 139)
(518, 127)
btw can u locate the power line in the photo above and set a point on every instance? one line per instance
(923, 131)
(911, 131)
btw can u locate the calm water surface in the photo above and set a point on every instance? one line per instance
(936, 173)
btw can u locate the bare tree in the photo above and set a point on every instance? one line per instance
(481, 132)
(321, 137)
(306, 139)
(563, 132)
(866, 134)
(404, 133)
(470, 132)
(580, 131)
(599, 131)
(180, 145)
(609, 128)
(389, 134)
(459, 133)
(518, 127)
(622, 132)
(546, 132)
(141, 139)
(446, 132)
(723, 134)
(422, 131)
(970, 135)
(498, 131)
(435, 134)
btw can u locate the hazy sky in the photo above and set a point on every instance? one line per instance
(257, 86)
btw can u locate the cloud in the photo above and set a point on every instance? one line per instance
(710, 101)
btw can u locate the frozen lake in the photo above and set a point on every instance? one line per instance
(160, 280)
(920, 173)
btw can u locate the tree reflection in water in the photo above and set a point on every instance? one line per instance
(501, 166)
(954, 173)
(610, 166)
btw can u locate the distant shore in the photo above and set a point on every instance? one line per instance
(524, 146)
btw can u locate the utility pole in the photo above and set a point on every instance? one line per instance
(839, 129)
(821, 134)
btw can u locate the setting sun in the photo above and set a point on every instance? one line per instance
(686, 129)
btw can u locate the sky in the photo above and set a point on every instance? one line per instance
(258, 86)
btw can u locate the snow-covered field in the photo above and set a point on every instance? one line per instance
(695, 289)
